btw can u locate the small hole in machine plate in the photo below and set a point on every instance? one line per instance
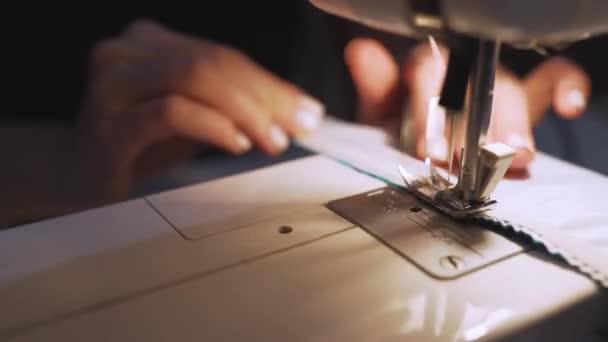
(285, 229)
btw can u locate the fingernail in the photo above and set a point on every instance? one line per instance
(308, 116)
(437, 149)
(519, 142)
(575, 99)
(279, 138)
(243, 142)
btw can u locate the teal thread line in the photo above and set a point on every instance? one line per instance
(367, 173)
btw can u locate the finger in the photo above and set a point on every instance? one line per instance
(560, 83)
(376, 79)
(251, 117)
(264, 108)
(572, 91)
(424, 75)
(241, 107)
(172, 116)
(205, 83)
(294, 111)
(287, 105)
(510, 122)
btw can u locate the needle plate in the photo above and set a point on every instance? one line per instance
(439, 245)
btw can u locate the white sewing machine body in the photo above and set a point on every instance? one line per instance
(211, 262)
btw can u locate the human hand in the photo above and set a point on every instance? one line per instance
(518, 105)
(155, 96)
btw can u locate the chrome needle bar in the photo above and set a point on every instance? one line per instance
(478, 120)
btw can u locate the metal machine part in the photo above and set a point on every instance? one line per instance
(440, 246)
(522, 23)
(478, 120)
(482, 165)
(436, 191)
(491, 165)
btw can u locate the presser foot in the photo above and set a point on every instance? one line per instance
(493, 162)
(435, 190)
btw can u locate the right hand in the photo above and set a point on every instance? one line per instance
(155, 96)
(518, 106)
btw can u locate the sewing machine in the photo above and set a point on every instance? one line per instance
(324, 247)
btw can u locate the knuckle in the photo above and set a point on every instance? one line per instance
(247, 112)
(141, 25)
(199, 65)
(227, 129)
(284, 99)
(257, 124)
(206, 62)
(221, 52)
(225, 57)
(284, 88)
(252, 121)
(104, 51)
(169, 110)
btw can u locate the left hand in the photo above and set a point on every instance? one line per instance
(518, 106)
(155, 96)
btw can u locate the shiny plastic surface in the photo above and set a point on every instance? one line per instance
(324, 280)
(520, 22)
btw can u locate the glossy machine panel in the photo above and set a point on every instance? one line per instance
(238, 201)
(323, 280)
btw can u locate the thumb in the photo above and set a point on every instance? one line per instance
(376, 78)
(560, 83)
(510, 122)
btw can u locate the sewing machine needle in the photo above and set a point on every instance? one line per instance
(451, 145)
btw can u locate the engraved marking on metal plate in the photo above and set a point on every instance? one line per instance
(437, 244)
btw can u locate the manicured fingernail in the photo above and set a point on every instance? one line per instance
(279, 138)
(243, 142)
(519, 142)
(308, 116)
(437, 149)
(575, 99)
